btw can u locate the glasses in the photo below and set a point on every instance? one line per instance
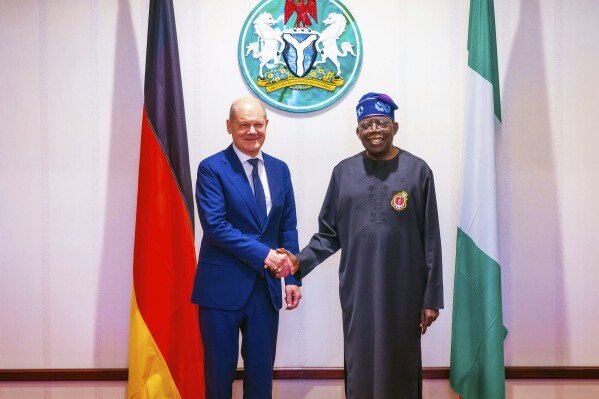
(368, 126)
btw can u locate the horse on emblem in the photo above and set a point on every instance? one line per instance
(270, 40)
(328, 39)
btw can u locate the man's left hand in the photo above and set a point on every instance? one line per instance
(292, 296)
(427, 316)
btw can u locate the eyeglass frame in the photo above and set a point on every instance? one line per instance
(380, 123)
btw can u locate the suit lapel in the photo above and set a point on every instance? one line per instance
(238, 178)
(274, 179)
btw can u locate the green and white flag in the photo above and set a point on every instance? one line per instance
(477, 364)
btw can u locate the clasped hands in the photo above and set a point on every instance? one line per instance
(281, 263)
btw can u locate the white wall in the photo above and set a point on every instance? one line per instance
(71, 85)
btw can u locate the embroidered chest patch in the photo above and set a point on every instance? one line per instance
(400, 201)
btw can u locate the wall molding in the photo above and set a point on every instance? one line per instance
(428, 373)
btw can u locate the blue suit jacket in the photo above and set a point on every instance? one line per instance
(234, 244)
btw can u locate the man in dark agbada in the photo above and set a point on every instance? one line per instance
(380, 210)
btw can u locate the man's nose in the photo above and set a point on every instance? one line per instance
(375, 127)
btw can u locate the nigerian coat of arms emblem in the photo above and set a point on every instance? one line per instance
(300, 55)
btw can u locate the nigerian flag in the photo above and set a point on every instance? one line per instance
(477, 367)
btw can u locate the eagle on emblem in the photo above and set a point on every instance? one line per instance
(304, 12)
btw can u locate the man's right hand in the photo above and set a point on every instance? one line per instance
(292, 258)
(278, 264)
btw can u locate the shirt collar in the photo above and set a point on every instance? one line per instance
(244, 157)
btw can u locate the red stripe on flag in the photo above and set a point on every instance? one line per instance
(164, 267)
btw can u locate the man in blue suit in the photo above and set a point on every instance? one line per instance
(247, 210)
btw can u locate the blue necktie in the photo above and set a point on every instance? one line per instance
(258, 190)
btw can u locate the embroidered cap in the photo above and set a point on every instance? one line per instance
(375, 104)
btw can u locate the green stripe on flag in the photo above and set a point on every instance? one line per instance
(482, 46)
(477, 364)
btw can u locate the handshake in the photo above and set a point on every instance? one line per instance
(281, 263)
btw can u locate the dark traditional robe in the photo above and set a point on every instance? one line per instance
(383, 215)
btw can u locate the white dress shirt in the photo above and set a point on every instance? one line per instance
(248, 168)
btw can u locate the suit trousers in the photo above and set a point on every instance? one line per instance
(258, 322)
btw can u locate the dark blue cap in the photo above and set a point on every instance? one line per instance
(376, 104)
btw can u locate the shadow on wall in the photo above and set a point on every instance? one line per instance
(116, 269)
(529, 208)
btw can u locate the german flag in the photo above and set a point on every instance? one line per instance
(165, 348)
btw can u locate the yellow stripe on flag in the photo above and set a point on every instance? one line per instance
(153, 378)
